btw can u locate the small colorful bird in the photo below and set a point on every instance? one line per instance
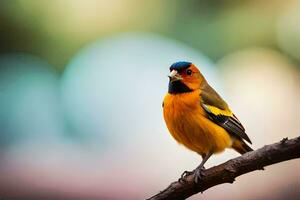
(198, 117)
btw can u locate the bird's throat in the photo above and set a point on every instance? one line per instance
(177, 87)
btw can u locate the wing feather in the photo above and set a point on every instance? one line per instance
(218, 111)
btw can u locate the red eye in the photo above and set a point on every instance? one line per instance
(189, 72)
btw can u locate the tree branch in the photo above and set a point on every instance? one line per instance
(228, 171)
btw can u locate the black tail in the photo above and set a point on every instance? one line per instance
(241, 147)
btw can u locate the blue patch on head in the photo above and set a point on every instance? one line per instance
(179, 66)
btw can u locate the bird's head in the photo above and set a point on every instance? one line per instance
(184, 77)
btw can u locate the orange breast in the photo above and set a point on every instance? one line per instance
(187, 123)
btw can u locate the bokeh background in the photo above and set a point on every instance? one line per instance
(82, 83)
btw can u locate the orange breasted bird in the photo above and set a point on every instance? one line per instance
(198, 118)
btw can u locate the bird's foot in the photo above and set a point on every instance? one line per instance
(184, 175)
(198, 174)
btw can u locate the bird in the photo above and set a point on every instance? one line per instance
(198, 118)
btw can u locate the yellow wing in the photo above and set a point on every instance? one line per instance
(218, 111)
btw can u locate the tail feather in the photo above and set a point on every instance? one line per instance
(241, 147)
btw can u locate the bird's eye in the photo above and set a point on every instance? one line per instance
(189, 72)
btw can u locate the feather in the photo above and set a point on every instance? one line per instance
(218, 111)
(179, 66)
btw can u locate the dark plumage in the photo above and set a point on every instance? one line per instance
(179, 66)
(230, 124)
(177, 87)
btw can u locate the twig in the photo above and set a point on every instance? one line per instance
(227, 172)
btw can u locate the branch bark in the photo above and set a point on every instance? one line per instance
(228, 171)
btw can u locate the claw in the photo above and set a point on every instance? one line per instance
(181, 180)
(184, 175)
(198, 174)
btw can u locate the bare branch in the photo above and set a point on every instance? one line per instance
(228, 171)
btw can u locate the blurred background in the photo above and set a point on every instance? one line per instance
(82, 83)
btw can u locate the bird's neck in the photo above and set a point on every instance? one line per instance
(177, 87)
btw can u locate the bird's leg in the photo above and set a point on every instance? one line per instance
(200, 168)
